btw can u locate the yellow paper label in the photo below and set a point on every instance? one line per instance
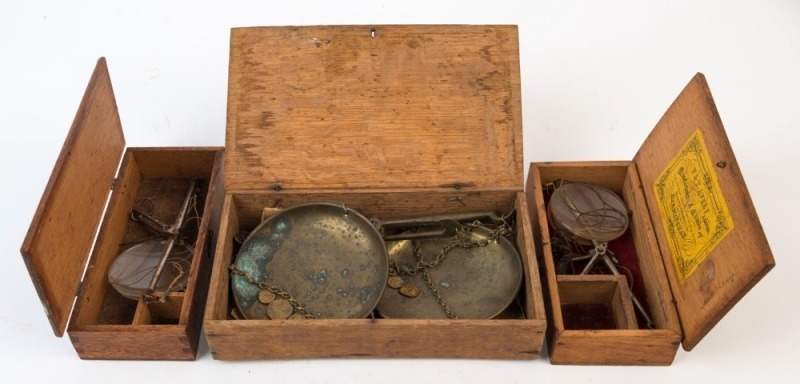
(693, 210)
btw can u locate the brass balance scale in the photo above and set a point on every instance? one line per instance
(588, 215)
(328, 261)
(154, 267)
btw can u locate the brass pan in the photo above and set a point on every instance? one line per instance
(329, 258)
(475, 283)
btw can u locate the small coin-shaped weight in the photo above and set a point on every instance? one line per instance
(297, 316)
(279, 309)
(409, 291)
(395, 282)
(265, 296)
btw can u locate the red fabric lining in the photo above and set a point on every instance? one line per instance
(588, 316)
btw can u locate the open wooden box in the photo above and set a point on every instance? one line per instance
(687, 154)
(103, 323)
(393, 122)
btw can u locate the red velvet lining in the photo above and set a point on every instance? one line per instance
(588, 316)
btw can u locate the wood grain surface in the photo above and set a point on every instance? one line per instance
(374, 107)
(408, 338)
(743, 257)
(57, 245)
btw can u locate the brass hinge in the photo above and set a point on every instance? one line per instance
(113, 183)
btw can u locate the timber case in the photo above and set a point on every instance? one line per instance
(393, 122)
(694, 244)
(104, 324)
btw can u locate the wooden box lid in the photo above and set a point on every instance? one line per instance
(62, 231)
(711, 240)
(374, 107)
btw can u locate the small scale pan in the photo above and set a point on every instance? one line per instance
(329, 258)
(475, 283)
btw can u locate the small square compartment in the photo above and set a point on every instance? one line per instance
(596, 302)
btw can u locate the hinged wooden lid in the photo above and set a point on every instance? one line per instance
(61, 234)
(374, 107)
(712, 243)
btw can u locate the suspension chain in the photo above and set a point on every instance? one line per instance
(461, 240)
(271, 288)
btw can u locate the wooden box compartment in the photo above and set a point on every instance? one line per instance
(393, 122)
(687, 159)
(104, 324)
(603, 300)
(507, 338)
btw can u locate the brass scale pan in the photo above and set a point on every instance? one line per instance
(335, 262)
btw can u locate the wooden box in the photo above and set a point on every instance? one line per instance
(392, 121)
(684, 176)
(103, 323)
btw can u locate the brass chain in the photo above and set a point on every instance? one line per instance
(429, 280)
(277, 291)
(462, 240)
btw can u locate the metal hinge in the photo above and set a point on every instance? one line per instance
(113, 183)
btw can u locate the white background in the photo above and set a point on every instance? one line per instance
(596, 77)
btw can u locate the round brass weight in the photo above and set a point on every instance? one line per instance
(476, 283)
(329, 258)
